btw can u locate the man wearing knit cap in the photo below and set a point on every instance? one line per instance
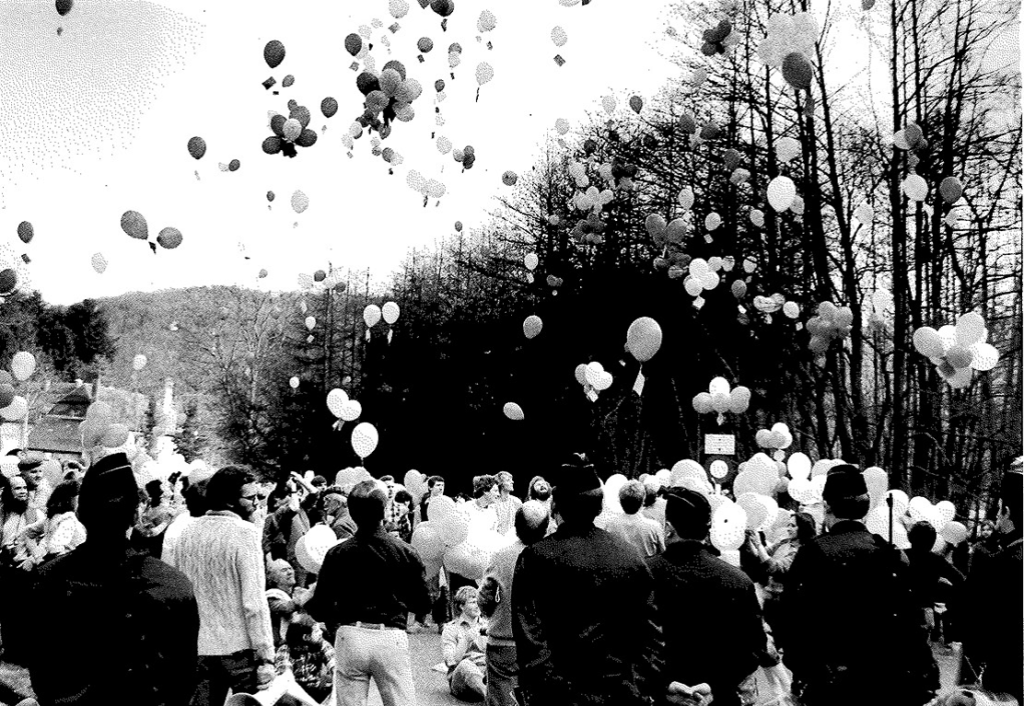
(994, 589)
(707, 609)
(583, 607)
(855, 634)
(129, 623)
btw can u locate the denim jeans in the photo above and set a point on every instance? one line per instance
(361, 653)
(219, 673)
(501, 675)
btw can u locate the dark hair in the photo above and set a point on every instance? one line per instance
(434, 480)
(318, 482)
(631, 497)
(483, 484)
(527, 532)
(689, 513)
(297, 633)
(155, 492)
(8, 504)
(403, 496)
(224, 489)
(806, 527)
(651, 493)
(385, 479)
(922, 536)
(62, 499)
(850, 508)
(195, 498)
(1010, 493)
(579, 508)
(366, 504)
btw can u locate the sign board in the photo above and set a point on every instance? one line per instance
(720, 444)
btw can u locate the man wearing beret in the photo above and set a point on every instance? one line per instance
(994, 606)
(126, 623)
(583, 609)
(854, 632)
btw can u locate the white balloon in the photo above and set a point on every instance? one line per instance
(799, 465)
(364, 439)
(719, 384)
(371, 315)
(23, 364)
(915, 187)
(531, 261)
(139, 362)
(781, 192)
(390, 313)
(350, 411)
(336, 399)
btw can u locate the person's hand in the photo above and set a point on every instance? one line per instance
(301, 595)
(265, 674)
(679, 693)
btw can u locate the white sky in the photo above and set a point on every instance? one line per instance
(359, 216)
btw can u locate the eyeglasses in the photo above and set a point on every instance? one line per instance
(251, 498)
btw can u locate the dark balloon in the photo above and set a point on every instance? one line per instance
(367, 82)
(306, 139)
(273, 145)
(319, 276)
(63, 8)
(438, 85)
(455, 48)
(397, 66)
(134, 224)
(636, 103)
(442, 7)
(301, 114)
(797, 70)
(353, 44)
(197, 147)
(169, 238)
(293, 104)
(25, 232)
(273, 53)
(329, 106)
(8, 281)
(709, 131)
(708, 49)
(6, 395)
(687, 124)
(277, 125)
(287, 81)
(233, 165)
(270, 196)
(589, 145)
(425, 44)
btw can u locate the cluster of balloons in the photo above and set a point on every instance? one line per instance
(592, 199)
(772, 304)
(778, 438)
(720, 399)
(343, 408)
(719, 39)
(372, 315)
(389, 97)
(466, 156)
(14, 407)
(831, 323)
(703, 277)
(429, 188)
(99, 428)
(908, 511)
(134, 224)
(594, 379)
(758, 475)
(790, 44)
(957, 351)
(290, 132)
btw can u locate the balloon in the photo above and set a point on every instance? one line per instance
(739, 400)
(115, 435)
(728, 526)
(509, 178)
(23, 364)
(427, 540)
(532, 326)
(970, 329)
(364, 439)
(959, 357)
(739, 289)
(310, 323)
(169, 238)
(644, 338)
(928, 343)
(781, 193)
(484, 73)
(797, 70)
(371, 315)
(951, 189)
(439, 507)
(513, 411)
(8, 281)
(453, 529)
(954, 532)
(702, 403)
(559, 37)
(64, 6)
(353, 44)
(398, 8)
(611, 489)
(336, 400)
(294, 383)
(946, 510)
(233, 165)
(311, 549)
(133, 223)
(486, 22)
(581, 373)
(787, 148)
(636, 103)
(350, 411)
(756, 511)
(329, 107)
(16, 410)
(139, 362)
(390, 313)
(273, 53)
(197, 147)
(531, 261)
(915, 187)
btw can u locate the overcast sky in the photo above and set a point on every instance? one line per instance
(97, 119)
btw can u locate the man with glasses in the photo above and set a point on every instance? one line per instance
(221, 554)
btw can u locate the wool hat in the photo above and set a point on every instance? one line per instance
(844, 481)
(686, 507)
(577, 475)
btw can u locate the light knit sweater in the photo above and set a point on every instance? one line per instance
(222, 555)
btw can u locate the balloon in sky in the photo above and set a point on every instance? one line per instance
(486, 22)
(329, 106)
(353, 43)
(233, 165)
(559, 37)
(781, 192)
(531, 261)
(134, 224)
(513, 411)
(398, 8)
(99, 263)
(484, 73)
(644, 338)
(364, 439)
(197, 147)
(371, 315)
(950, 188)
(64, 6)
(797, 70)
(273, 53)
(425, 44)
(294, 383)
(23, 364)
(390, 313)
(25, 232)
(532, 326)
(509, 178)
(636, 103)
(139, 362)
(300, 202)
(169, 238)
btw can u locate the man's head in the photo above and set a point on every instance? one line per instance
(108, 501)
(233, 489)
(31, 470)
(631, 497)
(366, 504)
(14, 497)
(465, 602)
(506, 484)
(318, 482)
(485, 489)
(195, 497)
(922, 536)
(651, 488)
(539, 489)
(403, 502)
(846, 493)
(436, 485)
(687, 514)
(333, 501)
(531, 522)
(280, 574)
(577, 494)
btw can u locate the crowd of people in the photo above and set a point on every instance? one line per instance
(187, 590)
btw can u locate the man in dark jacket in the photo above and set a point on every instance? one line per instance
(583, 610)
(127, 624)
(993, 602)
(856, 635)
(707, 609)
